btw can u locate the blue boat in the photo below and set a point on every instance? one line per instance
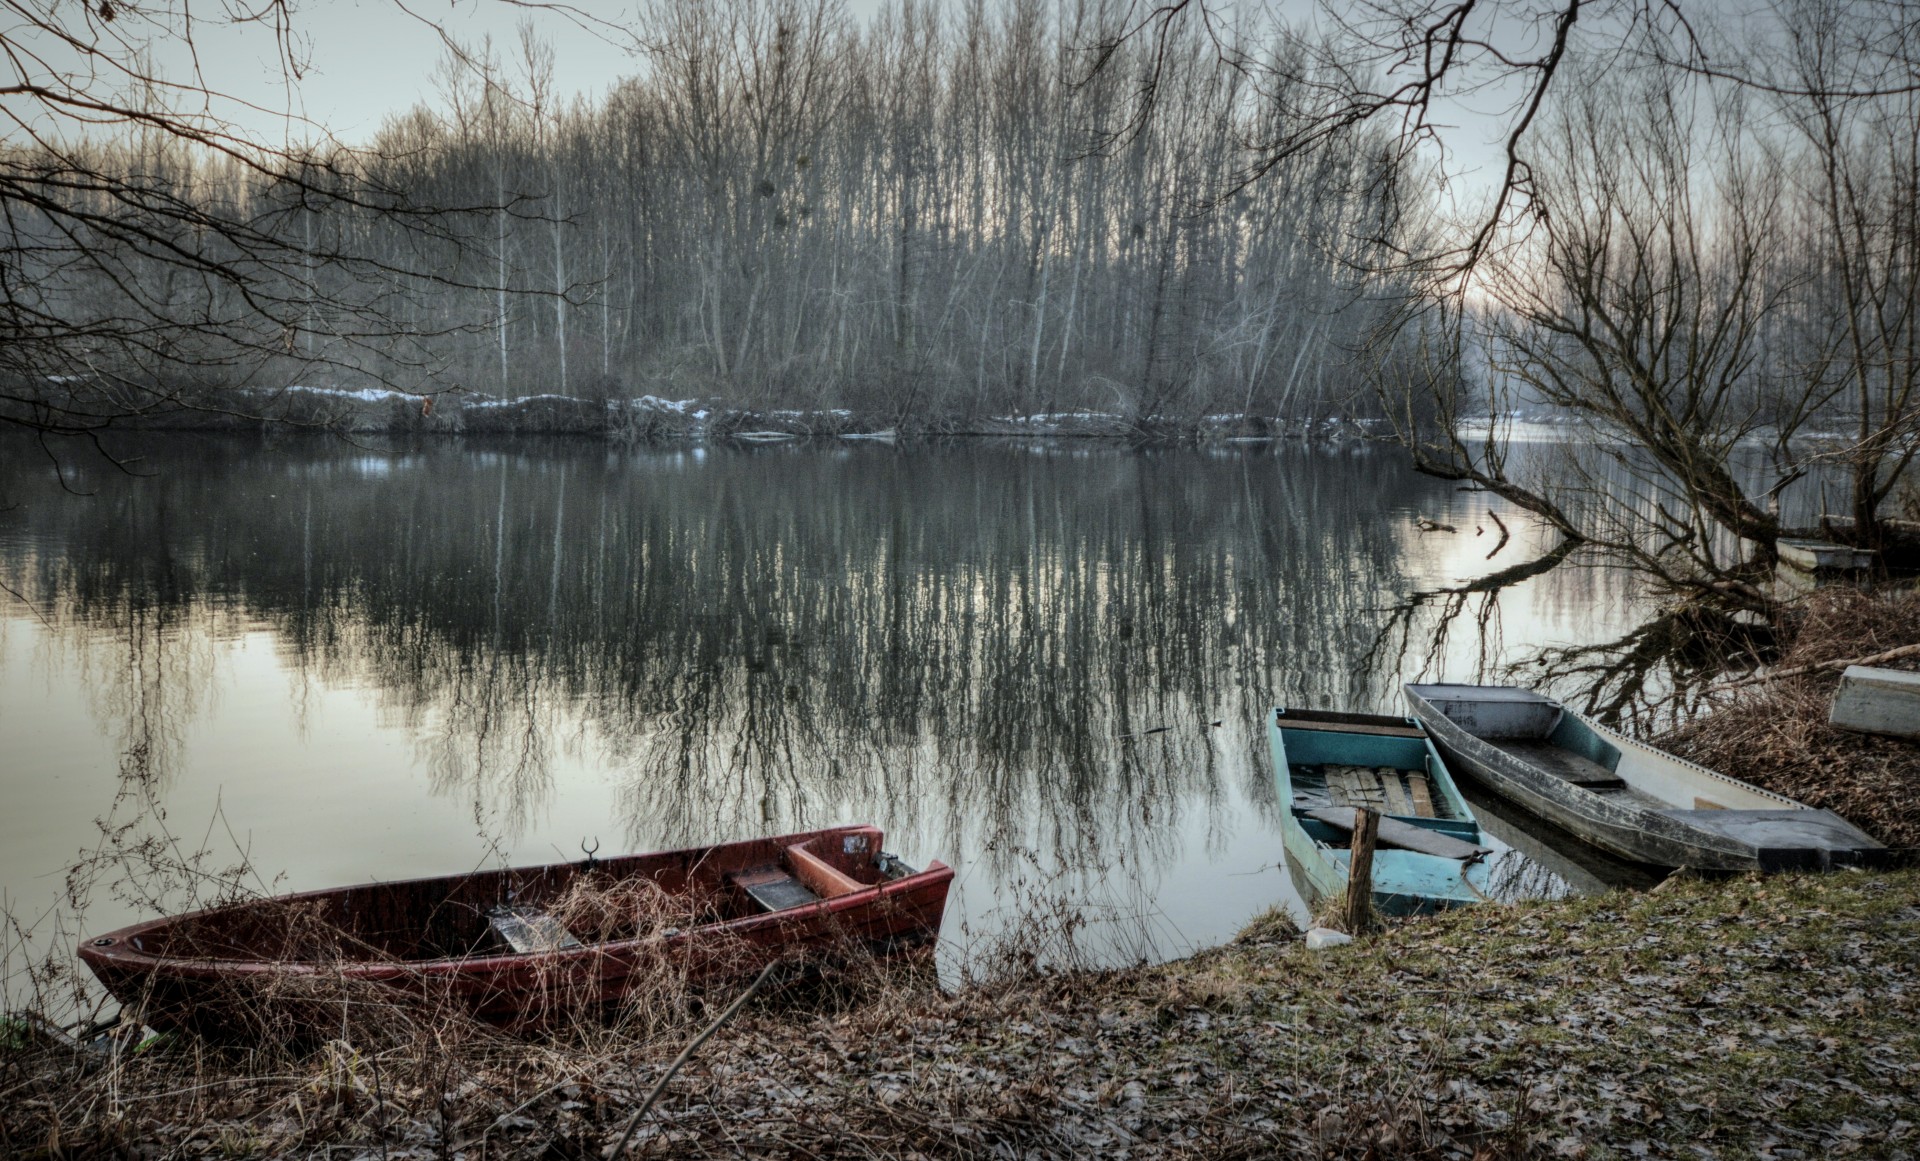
(1429, 854)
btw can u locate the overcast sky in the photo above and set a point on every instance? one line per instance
(366, 60)
(369, 59)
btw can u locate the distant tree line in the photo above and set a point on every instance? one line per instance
(930, 218)
(152, 255)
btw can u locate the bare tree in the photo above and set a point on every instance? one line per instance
(1646, 305)
(1862, 132)
(151, 252)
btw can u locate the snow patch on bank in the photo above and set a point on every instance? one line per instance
(363, 395)
(655, 403)
(521, 402)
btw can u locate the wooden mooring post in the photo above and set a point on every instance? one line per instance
(1366, 829)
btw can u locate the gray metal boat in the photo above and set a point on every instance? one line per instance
(1624, 796)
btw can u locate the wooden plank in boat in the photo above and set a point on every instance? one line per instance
(1404, 835)
(1422, 795)
(1399, 800)
(1355, 786)
(529, 929)
(1563, 764)
(1353, 728)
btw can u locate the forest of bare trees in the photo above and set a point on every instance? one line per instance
(926, 219)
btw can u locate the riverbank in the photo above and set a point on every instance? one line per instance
(1766, 1018)
(1773, 732)
(1763, 1018)
(655, 419)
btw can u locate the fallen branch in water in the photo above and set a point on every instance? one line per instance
(686, 1054)
(1829, 666)
(1504, 534)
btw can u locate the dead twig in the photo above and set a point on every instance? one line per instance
(1504, 534)
(686, 1054)
(1828, 666)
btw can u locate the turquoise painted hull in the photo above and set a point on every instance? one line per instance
(1404, 882)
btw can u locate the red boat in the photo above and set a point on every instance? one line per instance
(518, 947)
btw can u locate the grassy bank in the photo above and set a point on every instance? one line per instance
(1745, 1018)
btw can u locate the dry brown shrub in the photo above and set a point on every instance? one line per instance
(1775, 733)
(598, 911)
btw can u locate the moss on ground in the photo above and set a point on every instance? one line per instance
(1739, 1018)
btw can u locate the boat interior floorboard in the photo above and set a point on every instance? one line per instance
(1383, 788)
(773, 888)
(1561, 763)
(1621, 792)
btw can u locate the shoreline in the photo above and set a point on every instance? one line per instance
(651, 419)
(1747, 1017)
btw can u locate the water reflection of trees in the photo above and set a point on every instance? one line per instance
(987, 640)
(1653, 657)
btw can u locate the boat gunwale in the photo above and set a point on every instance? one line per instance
(1625, 828)
(1612, 737)
(1621, 741)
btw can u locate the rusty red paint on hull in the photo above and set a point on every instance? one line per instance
(427, 939)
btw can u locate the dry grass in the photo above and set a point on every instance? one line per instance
(1775, 733)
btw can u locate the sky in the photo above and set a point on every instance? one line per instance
(369, 59)
(363, 61)
(366, 60)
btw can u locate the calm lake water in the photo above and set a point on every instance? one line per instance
(1046, 664)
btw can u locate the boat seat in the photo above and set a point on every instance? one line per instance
(807, 878)
(773, 888)
(1785, 838)
(529, 929)
(821, 877)
(1394, 834)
